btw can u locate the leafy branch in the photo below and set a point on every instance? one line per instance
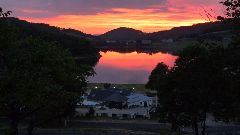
(4, 14)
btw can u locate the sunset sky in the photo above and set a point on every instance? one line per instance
(100, 16)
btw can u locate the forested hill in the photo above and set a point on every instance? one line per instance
(198, 30)
(78, 43)
(123, 34)
(190, 31)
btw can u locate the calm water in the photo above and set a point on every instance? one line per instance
(128, 68)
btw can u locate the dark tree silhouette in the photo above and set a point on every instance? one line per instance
(232, 8)
(107, 85)
(4, 14)
(193, 87)
(40, 80)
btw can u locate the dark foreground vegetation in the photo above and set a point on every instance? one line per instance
(79, 44)
(40, 80)
(43, 74)
(204, 81)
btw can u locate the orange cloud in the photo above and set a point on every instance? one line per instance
(147, 20)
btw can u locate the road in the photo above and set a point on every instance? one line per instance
(78, 127)
(142, 126)
(151, 127)
(125, 128)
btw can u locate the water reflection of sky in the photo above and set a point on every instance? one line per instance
(128, 68)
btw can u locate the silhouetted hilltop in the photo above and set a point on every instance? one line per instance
(190, 31)
(123, 34)
(126, 34)
(84, 45)
(79, 43)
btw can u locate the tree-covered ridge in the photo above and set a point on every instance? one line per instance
(191, 31)
(78, 43)
(194, 31)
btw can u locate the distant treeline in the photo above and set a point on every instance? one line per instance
(78, 43)
(191, 31)
(140, 49)
(85, 47)
(194, 31)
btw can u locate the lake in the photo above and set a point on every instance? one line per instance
(128, 68)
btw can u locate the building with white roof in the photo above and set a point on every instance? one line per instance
(89, 103)
(117, 103)
(139, 100)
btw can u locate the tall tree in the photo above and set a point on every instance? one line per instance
(38, 81)
(199, 71)
(159, 80)
(204, 80)
(229, 105)
(186, 91)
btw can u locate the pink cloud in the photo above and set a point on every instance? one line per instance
(96, 17)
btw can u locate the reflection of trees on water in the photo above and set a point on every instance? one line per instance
(93, 60)
(147, 50)
(151, 50)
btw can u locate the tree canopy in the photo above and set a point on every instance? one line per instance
(4, 14)
(196, 86)
(39, 80)
(78, 43)
(158, 75)
(232, 8)
(205, 80)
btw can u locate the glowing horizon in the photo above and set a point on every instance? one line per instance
(98, 17)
